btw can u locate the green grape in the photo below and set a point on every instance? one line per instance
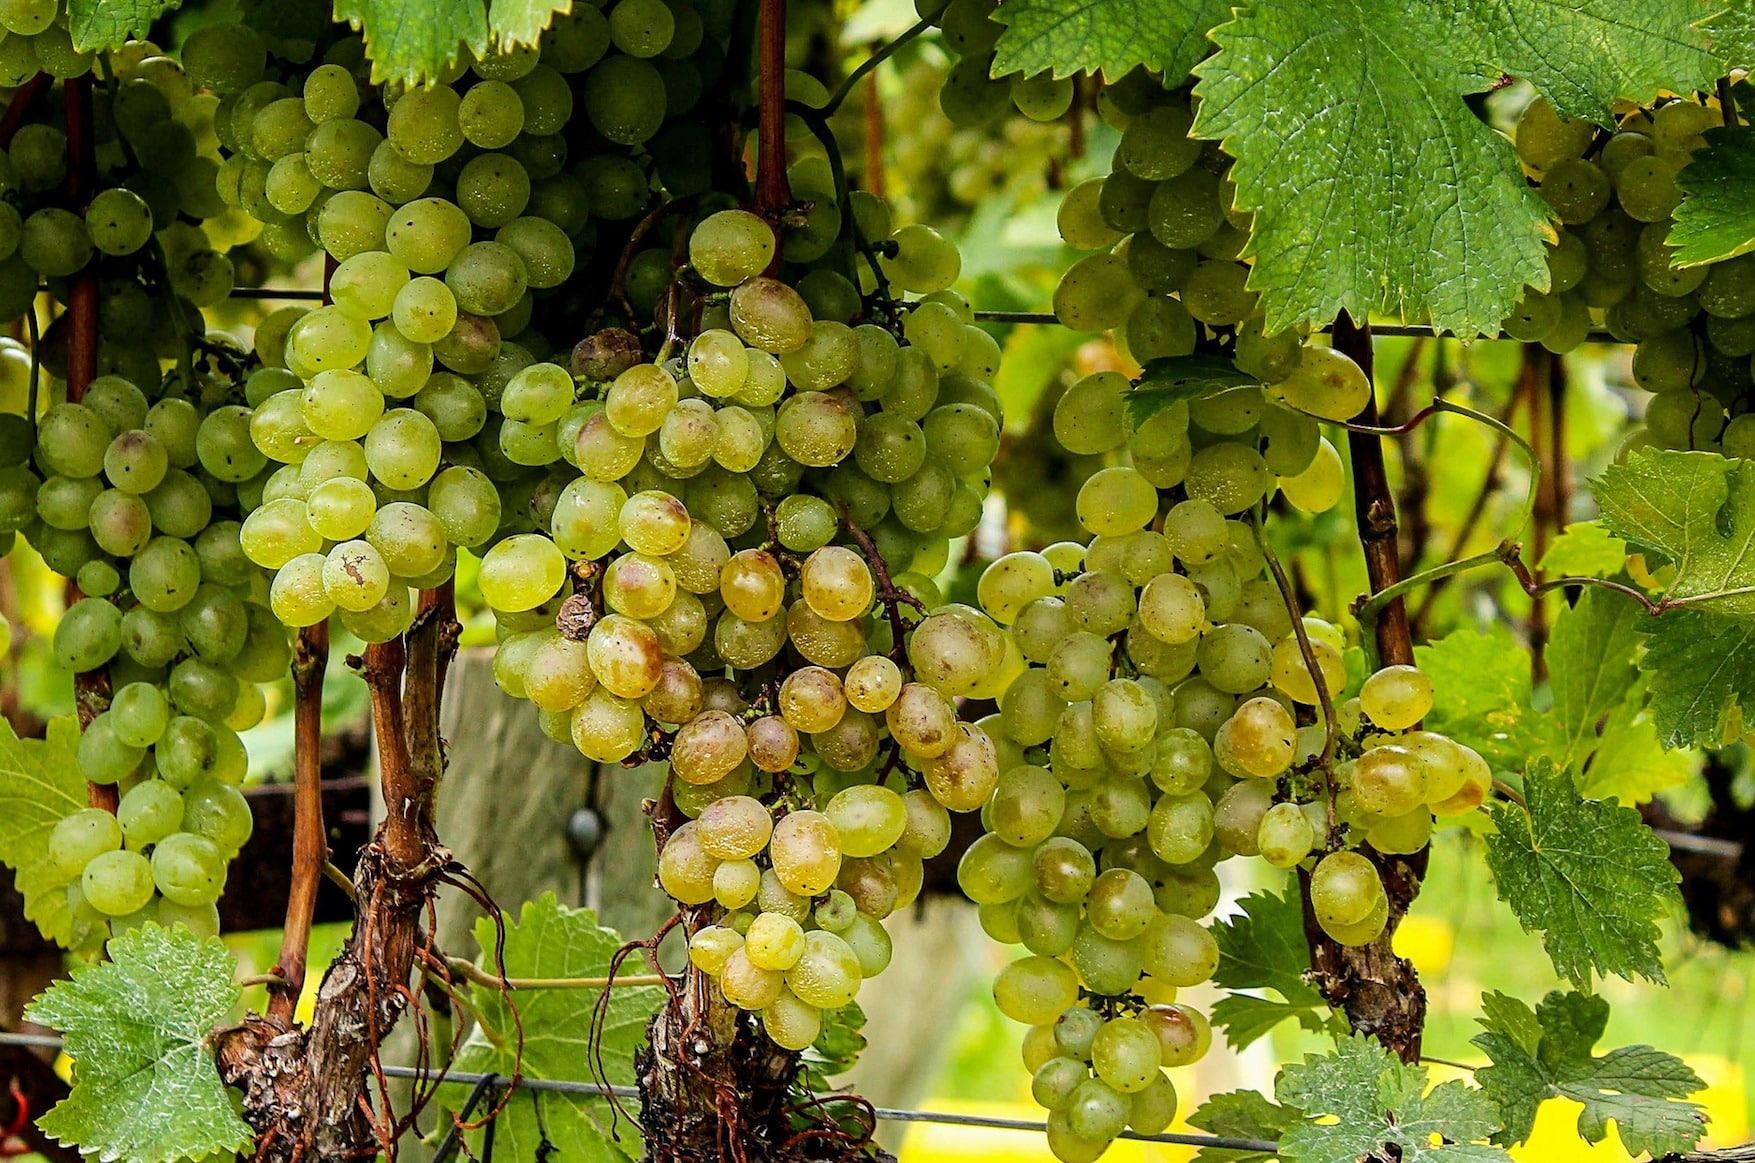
(924, 260)
(1116, 501)
(149, 812)
(1096, 293)
(218, 813)
(1156, 144)
(1576, 189)
(1646, 189)
(521, 572)
(117, 883)
(625, 99)
(1396, 697)
(1544, 138)
(118, 221)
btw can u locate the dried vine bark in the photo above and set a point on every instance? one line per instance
(1379, 992)
(712, 1086)
(307, 1092)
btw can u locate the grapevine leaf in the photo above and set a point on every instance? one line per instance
(1630, 762)
(1588, 873)
(1167, 36)
(1585, 53)
(414, 41)
(107, 25)
(1169, 381)
(1591, 663)
(1481, 680)
(1698, 510)
(1241, 1114)
(1263, 946)
(146, 1088)
(1381, 1101)
(515, 22)
(1699, 669)
(1585, 549)
(1374, 187)
(551, 940)
(1732, 34)
(39, 786)
(1546, 1053)
(1246, 1018)
(1716, 219)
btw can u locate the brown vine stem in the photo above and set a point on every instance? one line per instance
(893, 599)
(773, 194)
(618, 279)
(310, 841)
(1326, 701)
(24, 100)
(91, 689)
(308, 1094)
(1377, 991)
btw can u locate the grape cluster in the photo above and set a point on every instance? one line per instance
(151, 230)
(970, 95)
(416, 398)
(1168, 719)
(126, 485)
(726, 504)
(1168, 280)
(1614, 194)
(137, 502)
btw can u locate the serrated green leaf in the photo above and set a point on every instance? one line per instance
(146, 1088)
(1547, 1052)
(1582, 54)
(1246, 1018)
(1584, 549)
(515, 22)
(1588, 874)
(1263, 947)
(1166, 36)
(40, 785)
(1378, 1100)
(1699, 669)
(551, 940)
(107, 25)
(414, 41)
(1169, 381)
(1591, 668)
(1345, 117)
(1698, 510)
(1630, 762)
(1732, 35)
(1241, 1114)
(1481, 687)
(1716, 219)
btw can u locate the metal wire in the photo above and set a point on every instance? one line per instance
(276, 293)
(483, 1082)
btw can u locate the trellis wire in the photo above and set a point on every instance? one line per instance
(485, 1082)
